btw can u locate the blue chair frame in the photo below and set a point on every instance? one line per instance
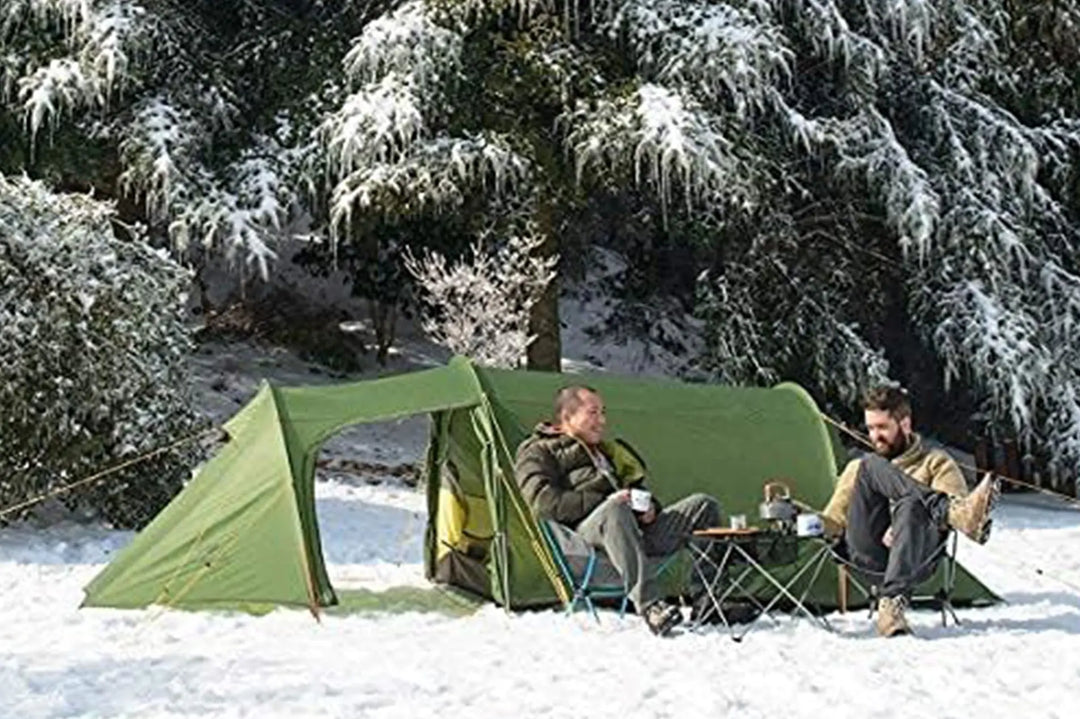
(584, 591)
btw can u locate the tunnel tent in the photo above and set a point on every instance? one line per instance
(244, 531)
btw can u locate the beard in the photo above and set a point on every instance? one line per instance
(893, 449)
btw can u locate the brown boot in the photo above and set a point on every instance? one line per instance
(971, 514)
(890, 616)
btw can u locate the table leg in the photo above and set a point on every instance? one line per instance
(783, 590)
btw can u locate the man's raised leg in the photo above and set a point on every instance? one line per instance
(672, 528)
(879, 486)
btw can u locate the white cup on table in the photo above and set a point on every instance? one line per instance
(640, 500)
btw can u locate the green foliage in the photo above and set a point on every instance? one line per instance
(94, 349)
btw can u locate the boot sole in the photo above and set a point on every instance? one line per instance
(983, 534)
(984, 531)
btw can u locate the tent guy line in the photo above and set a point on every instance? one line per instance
(56, 491)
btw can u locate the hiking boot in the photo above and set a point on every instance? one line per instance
(890, 616)
(970, 515)
(662, 617)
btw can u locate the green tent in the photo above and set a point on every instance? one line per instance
(244, 531)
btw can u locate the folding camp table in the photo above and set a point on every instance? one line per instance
(728, 562)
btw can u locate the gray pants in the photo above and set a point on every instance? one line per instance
(886, 496)
(614, 528)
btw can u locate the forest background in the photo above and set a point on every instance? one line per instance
(832, 192)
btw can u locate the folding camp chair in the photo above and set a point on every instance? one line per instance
(588, 571)
(867, 581)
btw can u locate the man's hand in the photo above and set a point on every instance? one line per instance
(887, 538)
(648, 517)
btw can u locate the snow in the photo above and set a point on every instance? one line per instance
(671, 142)
(59, 86)
(484, 301)
(59, 661)
(405, 41)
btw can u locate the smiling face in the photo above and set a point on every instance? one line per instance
(585, 418)
(889, 435)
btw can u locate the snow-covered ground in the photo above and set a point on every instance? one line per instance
(1016, 659)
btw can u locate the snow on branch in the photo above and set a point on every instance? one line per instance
(989, 337)
(736, 339)
(101, 42)
(11, 69)
(438, 175)
(407, 42)
(868, 145)
(237, 209)
(95, 351)
(381, 153)
(822, 24)
(672, 142)
(153, 151)
(479, 306)
(717, 50)
(114, 33)
(64, 14)
(380, 123)
(243, 211)
(800, 324)
(59, 87)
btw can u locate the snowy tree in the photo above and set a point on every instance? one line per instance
(95, 356)
(201, 116)
(479, 306)
(887, 186)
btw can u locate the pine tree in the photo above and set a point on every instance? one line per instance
(872, 187)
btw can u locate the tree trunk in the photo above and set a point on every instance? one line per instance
(545, 351)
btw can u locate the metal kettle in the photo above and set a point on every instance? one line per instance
(778, 506)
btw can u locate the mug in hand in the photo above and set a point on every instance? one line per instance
(640, 500)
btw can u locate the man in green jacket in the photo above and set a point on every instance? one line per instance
(893, 507)
(570, 474)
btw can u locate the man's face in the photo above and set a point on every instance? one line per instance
(888, 434)
(588, 421)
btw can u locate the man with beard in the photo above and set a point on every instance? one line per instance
(894, 507)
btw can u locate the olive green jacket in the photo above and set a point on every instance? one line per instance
(560, 479)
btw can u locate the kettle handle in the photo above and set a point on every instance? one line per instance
(779, 487)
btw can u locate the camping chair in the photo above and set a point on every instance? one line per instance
(867, 581)
(588, 571)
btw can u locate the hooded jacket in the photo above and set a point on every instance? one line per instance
(560, 477)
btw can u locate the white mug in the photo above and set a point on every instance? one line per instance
(738, 521)
(640, 500)
(809, 525)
